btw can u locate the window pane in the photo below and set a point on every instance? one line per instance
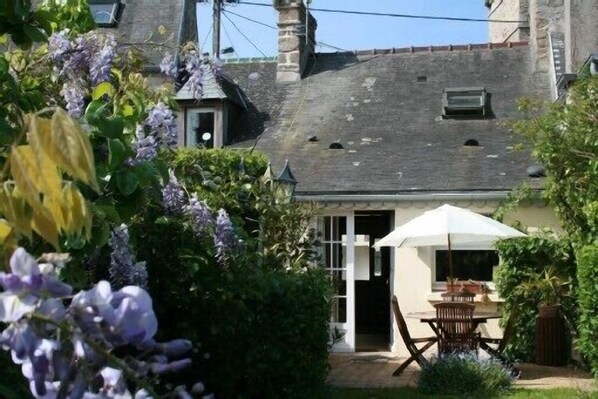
(200, 129)
(339, 283)
(103, 14)
(339, 310)
(467, 265)
(464, 100)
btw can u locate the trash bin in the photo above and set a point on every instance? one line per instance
(551, 341)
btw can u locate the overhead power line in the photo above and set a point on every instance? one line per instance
(275, 28)
(383, 14)
(244, 35)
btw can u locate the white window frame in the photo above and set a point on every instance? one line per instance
(112, 17)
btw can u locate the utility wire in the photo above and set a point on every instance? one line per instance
(228, 36)
(245, 36)
(207, 35)
(252, 20)
(382, 14)
(275, 28)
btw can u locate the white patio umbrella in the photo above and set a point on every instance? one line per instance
(448, 225)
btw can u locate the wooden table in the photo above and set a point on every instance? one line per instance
(430, 318)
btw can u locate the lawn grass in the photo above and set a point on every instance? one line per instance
(410, 393)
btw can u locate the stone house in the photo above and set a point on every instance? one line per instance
(377, 137)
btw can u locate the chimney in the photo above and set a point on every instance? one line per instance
(511, 10)
(295, 42)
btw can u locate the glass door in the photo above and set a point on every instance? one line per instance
(337, 237)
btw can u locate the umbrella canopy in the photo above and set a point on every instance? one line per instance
(448, 225)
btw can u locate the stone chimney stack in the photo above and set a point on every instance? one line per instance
(508, 10)
(295, 42)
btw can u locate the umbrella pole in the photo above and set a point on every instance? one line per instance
(450, 262)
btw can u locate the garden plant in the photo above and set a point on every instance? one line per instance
(106, 231)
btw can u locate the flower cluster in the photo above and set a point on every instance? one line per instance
(162, 124)
(83, 61)
(69, 351)
(173, 196)
(225, 239)
(201, 215)
(123, 269)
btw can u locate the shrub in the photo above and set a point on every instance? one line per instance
(519, 258)
(464, 374)
(260, 328)
(587, 273)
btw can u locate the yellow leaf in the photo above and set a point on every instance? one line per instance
(79, 215)
(39, 136)
(59, 210)
(24, 170)
(71, 149)
(5, 230)
(43, 225)
(15, 209)
(161, 29)
(102, 89)
(128, 110)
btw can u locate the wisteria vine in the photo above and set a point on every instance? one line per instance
(67, 345)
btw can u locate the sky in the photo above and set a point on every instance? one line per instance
(348, 32)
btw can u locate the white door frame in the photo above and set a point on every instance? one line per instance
(347, 344)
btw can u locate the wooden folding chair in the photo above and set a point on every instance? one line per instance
(500, 342)
(415, 352)
(456, 328)
(458, 297)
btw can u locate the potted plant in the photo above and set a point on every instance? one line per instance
(548, 288)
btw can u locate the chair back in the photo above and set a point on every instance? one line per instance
(400, 321)
(458, 296)
(456, 327)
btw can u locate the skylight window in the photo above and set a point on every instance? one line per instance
(464, 101)
(104, 12)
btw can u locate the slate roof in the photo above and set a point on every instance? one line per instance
(390, 126)
(139, 22)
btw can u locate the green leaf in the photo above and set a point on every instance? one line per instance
(127, 181)
(34, 33)
(104, 88)
(110, 127)
(117, 153)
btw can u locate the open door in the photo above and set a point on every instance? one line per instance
(372, 282)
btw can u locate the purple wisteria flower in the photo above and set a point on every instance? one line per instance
(168, 66)
(225, 239)
(101, 61)
(123, 269)
(145, 147)
(64, 351)
(74, 96)
(173, 196)
(83, 61)
(201, 215)
(162, 124)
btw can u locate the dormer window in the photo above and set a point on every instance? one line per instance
(104, 12)
(464, 101)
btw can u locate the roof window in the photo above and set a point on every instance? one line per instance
(104, 12)
(464, 101)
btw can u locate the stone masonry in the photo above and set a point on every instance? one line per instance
(294, 46)
(508, 10)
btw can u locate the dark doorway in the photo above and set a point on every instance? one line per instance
(372, 282)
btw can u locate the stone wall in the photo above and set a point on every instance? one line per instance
(545, 16)
(508, 10)
(581, 31)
